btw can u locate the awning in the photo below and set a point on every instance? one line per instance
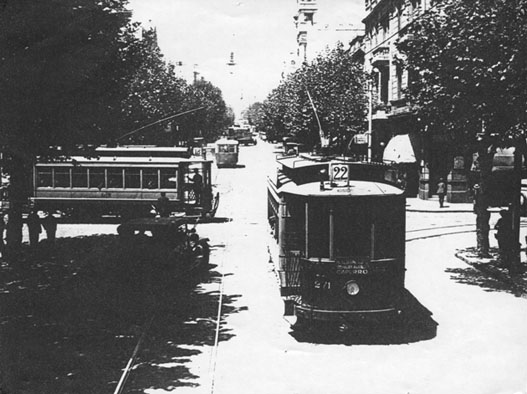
(399, 150)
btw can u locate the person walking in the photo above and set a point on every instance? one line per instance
(50, 226)
(441, 191)
(34, 228)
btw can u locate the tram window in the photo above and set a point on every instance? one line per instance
(150, 179)
(97, 178)
(132, 178)
(44, 177)
(62, 177)
(79, 177)
(352, 229)
(115, 177)
(168, 178)
(318, 223)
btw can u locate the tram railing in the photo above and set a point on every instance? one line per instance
(289, 273)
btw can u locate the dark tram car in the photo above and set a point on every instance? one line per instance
(340, 228)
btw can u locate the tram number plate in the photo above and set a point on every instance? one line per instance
(339, 172)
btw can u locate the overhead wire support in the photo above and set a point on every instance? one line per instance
(159, 121)
(324, 141)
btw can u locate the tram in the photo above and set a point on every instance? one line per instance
(340, 232)
(123, 186)
(242, 133)
(226, 153)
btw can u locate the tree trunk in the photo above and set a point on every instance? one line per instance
(17, 199)
(481, 202)
(514, 265)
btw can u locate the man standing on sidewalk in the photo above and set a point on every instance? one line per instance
(441, 191)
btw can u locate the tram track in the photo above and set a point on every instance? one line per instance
(438, 231)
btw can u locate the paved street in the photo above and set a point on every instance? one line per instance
(479, 348)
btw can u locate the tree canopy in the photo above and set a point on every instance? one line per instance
(468, 65)
(335, 84)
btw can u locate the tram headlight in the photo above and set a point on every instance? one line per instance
(352, 288)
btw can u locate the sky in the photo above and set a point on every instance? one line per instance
(260, 34)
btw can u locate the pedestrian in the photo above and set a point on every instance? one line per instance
(441, 191)
(504, 235)
(197, 186)
(34, 228)
(50, 226)
(163, 205)
(2, 229)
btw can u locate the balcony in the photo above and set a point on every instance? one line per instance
(380, 56)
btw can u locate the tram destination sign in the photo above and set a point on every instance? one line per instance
(352, 266)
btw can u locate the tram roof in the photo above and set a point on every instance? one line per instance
(141, 148)
(225, 141)
(127, 160)
(307, 160)
(355, 189)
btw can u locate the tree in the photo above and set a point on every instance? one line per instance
(214, 118)
(469, 85)
(335, 83)
(63, 66)
(154, 92)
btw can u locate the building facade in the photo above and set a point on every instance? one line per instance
(394, 134)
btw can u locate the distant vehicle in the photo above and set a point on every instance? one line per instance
(242, 133)
(123, 186)
(226, 153)
(340, 229)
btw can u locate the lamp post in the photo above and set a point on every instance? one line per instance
(374, 71)
(370, 116)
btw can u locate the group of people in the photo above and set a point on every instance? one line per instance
(34, 225)
(163, 202)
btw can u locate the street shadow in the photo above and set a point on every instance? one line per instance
(70, 319)
(233, 167)
(413, 323)
(487, 279)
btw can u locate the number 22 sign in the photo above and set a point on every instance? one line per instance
(339, 173)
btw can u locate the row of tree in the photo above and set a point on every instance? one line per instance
(326, 94)
(80, 73)
(469, 88)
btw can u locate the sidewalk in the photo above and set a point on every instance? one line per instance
(491, 266)
(415, 204)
